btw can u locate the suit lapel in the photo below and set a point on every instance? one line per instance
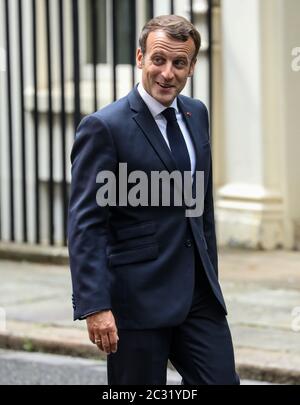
(193, 128)
(147, 124)
(195, 132)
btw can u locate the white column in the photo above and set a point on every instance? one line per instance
(291, 129)
(257, 202)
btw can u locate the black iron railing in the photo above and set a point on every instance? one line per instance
(28, 225)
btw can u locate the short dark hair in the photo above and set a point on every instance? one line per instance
(174, 26)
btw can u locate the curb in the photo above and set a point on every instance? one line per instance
(34, 253)
(28, 344)
(273, 375)
(257, 372)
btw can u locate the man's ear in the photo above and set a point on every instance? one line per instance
(139, 58)
(192, 68)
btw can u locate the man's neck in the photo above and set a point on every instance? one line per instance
(154, 105)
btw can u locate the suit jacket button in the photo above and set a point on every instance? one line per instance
(188, 243)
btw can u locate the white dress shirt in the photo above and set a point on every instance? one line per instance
(156, 110)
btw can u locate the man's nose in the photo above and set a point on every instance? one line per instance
(167, 72)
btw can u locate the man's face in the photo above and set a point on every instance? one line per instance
(166, 66)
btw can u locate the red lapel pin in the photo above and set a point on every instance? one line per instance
(189, 114)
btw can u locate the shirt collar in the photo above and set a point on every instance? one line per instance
(154, 106)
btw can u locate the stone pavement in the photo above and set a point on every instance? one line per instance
(262, 291)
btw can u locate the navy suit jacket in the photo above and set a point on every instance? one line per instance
(137, 261)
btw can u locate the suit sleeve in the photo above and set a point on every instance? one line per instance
(93, 151)
(208, 215)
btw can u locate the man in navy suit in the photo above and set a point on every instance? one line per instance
(145, 277)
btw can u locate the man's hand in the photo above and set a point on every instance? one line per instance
(103, 331)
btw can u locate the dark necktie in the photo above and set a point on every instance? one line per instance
(176, 141)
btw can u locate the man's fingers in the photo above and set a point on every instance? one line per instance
(97, 340)
(108, 342)
(105, 344)
(98, 343)
(102, 326)
(113, 339)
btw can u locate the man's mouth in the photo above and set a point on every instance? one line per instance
(164, 85)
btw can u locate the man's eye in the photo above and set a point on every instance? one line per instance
(158, 61)
(180, 63)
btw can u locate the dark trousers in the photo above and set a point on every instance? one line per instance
(200, 348)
